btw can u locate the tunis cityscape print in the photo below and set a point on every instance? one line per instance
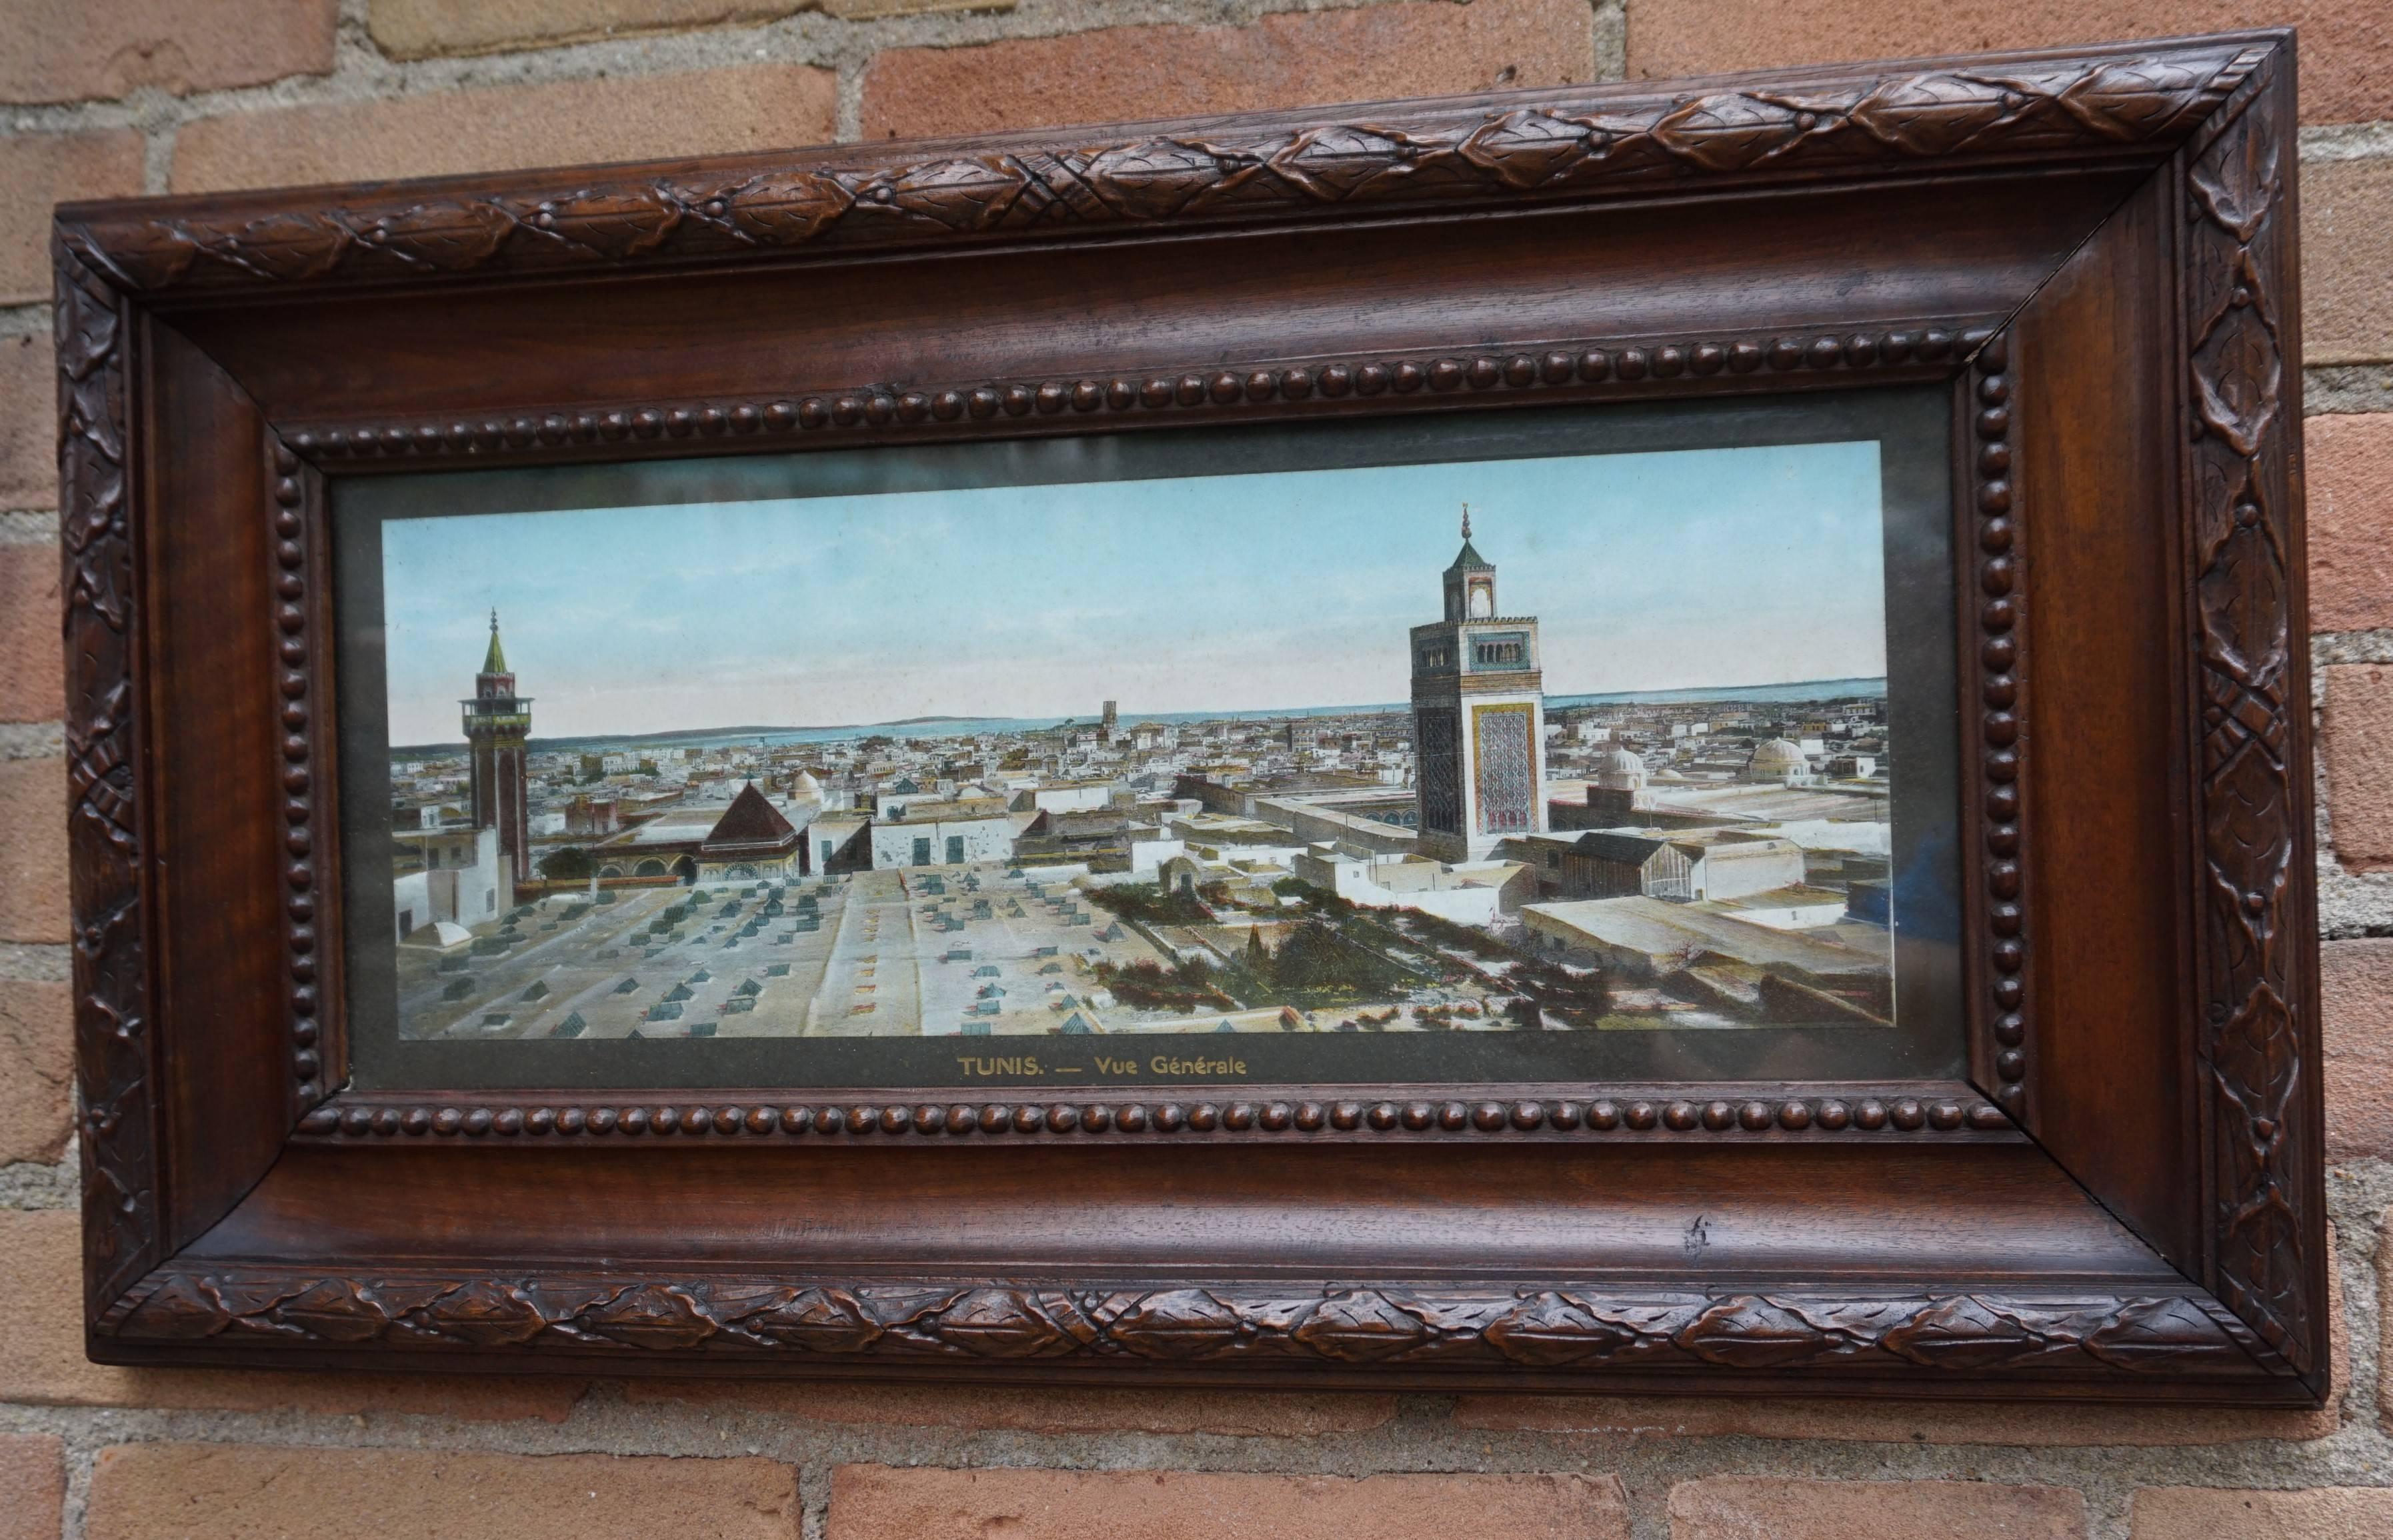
(1578, 743)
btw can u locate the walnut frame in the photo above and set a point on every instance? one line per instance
(2096, 256)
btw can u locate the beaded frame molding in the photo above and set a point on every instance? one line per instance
(211, 1141)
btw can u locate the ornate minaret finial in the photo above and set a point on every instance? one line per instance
(1465, 535)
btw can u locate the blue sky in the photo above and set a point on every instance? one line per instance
(1248, 591)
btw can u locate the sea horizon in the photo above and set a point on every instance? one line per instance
(1786, 692)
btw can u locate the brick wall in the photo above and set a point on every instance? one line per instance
(127, 96)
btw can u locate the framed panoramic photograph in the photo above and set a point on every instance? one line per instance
(1639, 738)
(1608, 824)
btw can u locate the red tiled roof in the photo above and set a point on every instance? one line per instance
(749, 820)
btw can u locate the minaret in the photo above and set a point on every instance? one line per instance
(1479, 718)
(497, 722)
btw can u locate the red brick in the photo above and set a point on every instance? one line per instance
(2348, 257)
(2358, 745)
(2347, 52)
(32, 850)
(33, 1487)
(238, 1491)
(2384, 1323)
(40, 170)
(2355, 979)
(625, 118)
(2034, 1426)
(2351, 520)
(2207, 1513)
(37, 1070)
(1061, 1409)
(1417, 48)
(1745, 1507)
(29, 412)
(420, 28)
(42, 1355)
(33, 660)
(874, 1502)
(66, 50)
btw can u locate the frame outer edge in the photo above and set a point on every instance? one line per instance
(2259, 981)
(565, 1315)
(2258, 1052)
(2137, 100)
(115, 1055)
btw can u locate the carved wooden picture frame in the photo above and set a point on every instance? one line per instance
(2091, 252)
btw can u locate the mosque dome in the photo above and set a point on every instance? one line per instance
(1779, 754)
(805, 786)
(1620, 770)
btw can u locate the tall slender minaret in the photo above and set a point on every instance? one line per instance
(1479, 727)
(497, 722)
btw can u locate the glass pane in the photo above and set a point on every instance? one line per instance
(1576, 743)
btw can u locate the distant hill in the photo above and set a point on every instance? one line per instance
(1805, 689)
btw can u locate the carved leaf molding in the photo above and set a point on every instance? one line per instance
(2093, 1334)
(2252, 788)
(104, 832)
(1548, 147)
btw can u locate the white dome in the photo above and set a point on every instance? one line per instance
(1620, 770)
(1778, 753)
(805, 785)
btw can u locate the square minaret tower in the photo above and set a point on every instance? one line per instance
(1479, 718)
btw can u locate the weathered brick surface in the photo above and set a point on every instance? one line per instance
(2348, 257)
(499, 129)
(40, 170)
(1738, 1508)
(41, 1358)
(2355, 979)
(419, 29)
(67, 50)
(140, 1492)
(874, 1502)
(2347, 52)
(864, 10)
(33, 660)
(2350, 520)
(1393, 48)
(29, 467)
(2032, 1425)
(32, 850)
(37, 1070)
(2359, 749)
(2212, 1513)
(1061, 1409)
(33, 1486)
(2384, 1326)
(1415, 48)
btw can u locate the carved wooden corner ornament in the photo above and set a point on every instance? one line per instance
(2092, 251)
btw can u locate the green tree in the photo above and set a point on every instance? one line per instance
(570, 864)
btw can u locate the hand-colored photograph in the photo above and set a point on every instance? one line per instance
(1572, 743)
